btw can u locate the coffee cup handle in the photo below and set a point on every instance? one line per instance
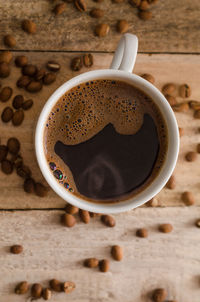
(125, 54)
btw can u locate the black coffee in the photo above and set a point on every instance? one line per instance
(105, 140)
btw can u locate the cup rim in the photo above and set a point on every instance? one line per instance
(173, 142)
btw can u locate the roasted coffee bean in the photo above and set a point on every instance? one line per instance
(3, 152)
(4, 70)
(40, 190)
(198, 148)
(194, 105)
(159, 295)
(13, 145)
(27, 104)
(34, 86)
(29, 26)
(171, 184)
(18, 101)
(108, 220)
(104, 265)
(6, 56)
(135, 3)
(122, 26)
(29, 70)
(9, 41)
(7, 114)
(91, 262)
(168, 88)
(18, 117)
(21, 61)
(56, 285)
(197, 114)
(181, 131)
(152, 202)
(16, 249)
(5, 94)
(88, 60)
(68, 287)
(70, 209)
(59, 9)
(144, 5)
(23, 171)
(188, 198)
(40, 74)
(68, 220)
(142, 233)
(6, 166)
(101, 30)
(46, 294)
(117, 252)
(49, 78)
(191, 156)
(18, 161)
(22, 288)
(197, 223)
(171, 99)
(181, 107)
(165, 228)
(36, 290)
(185, 91)
(76, 63)
(84, 215)
(148, 77)
(96, 13)
(53, 66)
(23, 81)
(29, 185)
(80, 5)
(145, 15)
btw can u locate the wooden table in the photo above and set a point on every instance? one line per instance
(169, 49)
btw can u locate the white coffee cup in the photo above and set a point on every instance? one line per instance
(121, 69)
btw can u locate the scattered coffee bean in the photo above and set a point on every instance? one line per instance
(68, 287)
(34, 86)
(191, 156)
(18, 117)
(59, 8)
(181, 131)
(171, 99)
(16, 249)
(145, 15)
(197, 223)
(53, 66)
(197, 114)
(5, 94)
(117, 252)
(6, 166)
(188, 198)
(21, 61)
(46, 294)
(7, 114)
(84, 215)
(142, 233)
(22, 288)
(29, 185)
(148, 77)
(165, 228)
(4, 70)
(171, 184)
(70, 209)
(122, 26)
(27, 104)
(40, 74)
(23, 171)
(88, 60)
(68, 220)
(101, 30)
(80, 5)
(159, 295)
(18, 101)
(108, 220)
(29, 26)
(91, 262)
(76, 63)
(36, 290)
(135, 3)
(181, 107)
(29, 70)
(9, 41)
(96, 13)
(13, 145)
(168, 88)
(198, 148)
(144, 5)
(185, 91)
(104, 265)
(6, 56)
(3, 152)
(40, 190)
(56, 285)
(23, 81)
(194, 105)
(49, 78)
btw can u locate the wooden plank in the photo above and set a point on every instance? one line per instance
(173, 28)
(53, 251)
(176, 68)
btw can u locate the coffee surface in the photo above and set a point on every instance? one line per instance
(105, 140)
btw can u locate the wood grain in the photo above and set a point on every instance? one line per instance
(173, 28)
(53, 251)
(165, 68)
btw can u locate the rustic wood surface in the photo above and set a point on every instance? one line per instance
(173, 28)
(53, 251)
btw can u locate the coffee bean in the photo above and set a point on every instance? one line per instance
(56, 285)
(9, 41)
(7, 114)
(23, 171)
(53, 66)
(88, 60)
(18, 101)
(21, 61)
(104, 265)
(68, 287)
(29, 185)
(165, 228)
(188, 198)
(22, 288)
(40, 190)
(198, 148)
(91, 262)
(59, 9)
(6, 166)
(145, 15)
(84, 215)
(23, 81)
(171, 184)
(185, 91)
(70, 209)
(34, 86)
(36, 290)
(194, 105)
(191, 156)
(40, 74)
(29, 26)
(13, 145)
(97, 13)
(108, 220)
(46, 294)
(122, 26)
(197, 114)
(27, 104)
(6, 56)
(49, 78)
(135, 3)
(142, 233)
(80, 5)
(3, 152)
(4, 70)
(16, 249)
(181, 107)
(117, 252)
(68, 220)
(76, 63)
(101, 30)
(181, 131)
(29, 70)
(148, 77)
(159, 295)
(144, 5)
(5, 94)
(168, 88)
(18, 117)
(171, 99)
(197, 223)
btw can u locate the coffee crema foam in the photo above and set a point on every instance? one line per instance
(84, 111)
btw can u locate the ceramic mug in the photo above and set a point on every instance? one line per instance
(120, 69)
